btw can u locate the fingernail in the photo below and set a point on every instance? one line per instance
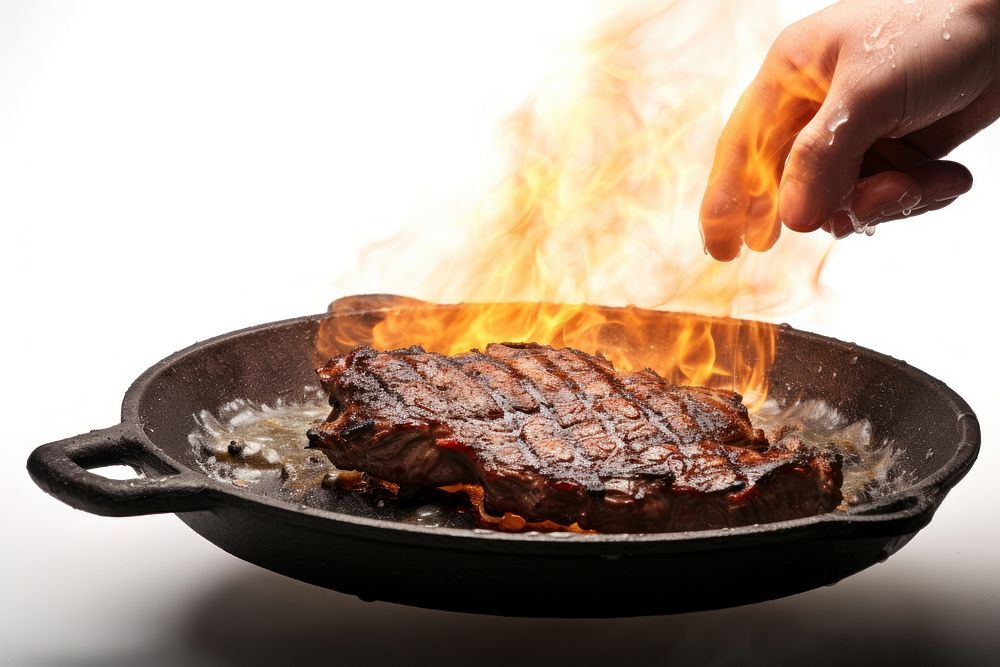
(950, 192)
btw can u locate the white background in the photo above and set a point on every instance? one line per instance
(172, 171)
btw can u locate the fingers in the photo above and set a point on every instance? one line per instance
(893, 195)
(723, 226)
(740, 204)
(826, 158)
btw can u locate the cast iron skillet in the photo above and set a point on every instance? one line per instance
(548, 574)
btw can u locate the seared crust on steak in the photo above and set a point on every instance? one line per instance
(558, 435)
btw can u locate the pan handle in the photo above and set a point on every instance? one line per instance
(63, 469)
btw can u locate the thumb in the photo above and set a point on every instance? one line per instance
(825, 159)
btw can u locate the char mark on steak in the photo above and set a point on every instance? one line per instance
(560, 436)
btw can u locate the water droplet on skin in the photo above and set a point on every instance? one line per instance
(873, 35)
(906, 211)
(857, 224)
(870, 230)
(946, 35)
(840, 117)
(853, 359)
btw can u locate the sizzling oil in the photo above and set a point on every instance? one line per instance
(245, 442)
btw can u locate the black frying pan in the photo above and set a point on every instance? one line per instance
(375, 557)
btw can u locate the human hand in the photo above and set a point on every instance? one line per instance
(845, 124)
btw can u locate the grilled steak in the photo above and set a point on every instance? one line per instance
(560, 436)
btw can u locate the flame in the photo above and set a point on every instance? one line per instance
(607, 164)
(685, 349)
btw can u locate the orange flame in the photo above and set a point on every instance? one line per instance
(607, 167)
(685, 349)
